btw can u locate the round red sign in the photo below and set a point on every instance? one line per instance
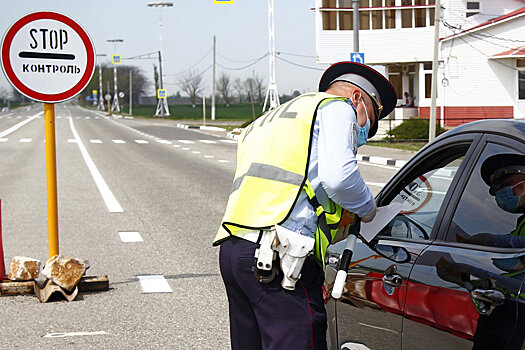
(48, 57)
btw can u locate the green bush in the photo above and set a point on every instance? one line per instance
(413, 129)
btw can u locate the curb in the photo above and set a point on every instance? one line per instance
(360, 157)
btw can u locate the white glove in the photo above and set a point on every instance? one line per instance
(371, 214)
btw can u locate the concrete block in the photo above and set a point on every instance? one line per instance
(23, 268)
(64, 271)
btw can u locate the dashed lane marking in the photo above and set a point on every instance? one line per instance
(223, 161)
(165, 142)
(118, 141)
(141, 141)
(73, 334)
(208, 141)
(130, 236)
(95, 141)
(3, 139)
(154, 284)
(186, 141)
(208, 156)
(25, 140)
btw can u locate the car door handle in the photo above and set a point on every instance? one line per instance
(492, 296)
(393, 280)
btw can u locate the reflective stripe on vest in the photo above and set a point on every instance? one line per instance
(272, 163)
(520, 228)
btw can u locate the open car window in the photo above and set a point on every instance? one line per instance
(422, 194)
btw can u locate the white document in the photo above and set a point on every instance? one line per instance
(383, 216)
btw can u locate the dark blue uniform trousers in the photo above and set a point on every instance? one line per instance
(265, 315)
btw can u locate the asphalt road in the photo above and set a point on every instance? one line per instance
(165, 185)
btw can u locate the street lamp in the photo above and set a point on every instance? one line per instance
(100, 94)
(115, 104)
(162, 105)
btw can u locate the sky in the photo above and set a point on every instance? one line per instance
(241, 31)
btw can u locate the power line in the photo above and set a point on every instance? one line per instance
(244, 67)
(298, 65)
(193, 65)
(234, 60)
(294, 54)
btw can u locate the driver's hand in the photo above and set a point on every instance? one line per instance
(371, 214)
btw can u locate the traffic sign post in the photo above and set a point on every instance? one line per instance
(49, 58)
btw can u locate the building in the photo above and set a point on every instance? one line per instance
(481, 71)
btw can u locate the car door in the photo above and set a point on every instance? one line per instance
(463, 290)
(370, 312)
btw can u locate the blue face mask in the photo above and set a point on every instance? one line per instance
(362, 131)
(507, 200)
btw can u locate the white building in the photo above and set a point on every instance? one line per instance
(481, 57)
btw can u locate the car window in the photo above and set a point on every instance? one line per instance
(479, 219)
(423, 193)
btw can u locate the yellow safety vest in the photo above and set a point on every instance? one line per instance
(272, 163)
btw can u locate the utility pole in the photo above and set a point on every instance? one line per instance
(271, 93)
(130, 91)
(115, 105)
(100, 93)
(213, 84)
(433, 91)
(162, 105)
(356, 25)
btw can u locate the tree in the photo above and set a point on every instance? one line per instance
(138, 77)
(192, 85)
(259, 87)
(224, 87)
(239, 89)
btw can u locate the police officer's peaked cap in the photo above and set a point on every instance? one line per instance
(373, 83)
(496, 167)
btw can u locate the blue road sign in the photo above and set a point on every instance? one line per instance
(357, 57)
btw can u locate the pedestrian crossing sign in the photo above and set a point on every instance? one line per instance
(161, 93)
(115, 59)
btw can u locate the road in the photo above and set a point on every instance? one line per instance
(120, 180)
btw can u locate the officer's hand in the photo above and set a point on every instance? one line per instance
(371, 214)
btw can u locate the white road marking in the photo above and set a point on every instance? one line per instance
(95, 141)
(166, 142)
(141, 141)
(195, 152)
(185, 149)
(25, 140)
(19, 125)
(118, 141)
(377, 184)
(229, 141)
(208, 156)
(3, 139)
(377, 165)
(186, 141)
(207, 141)
(110, 200)
(154, 284)
(73, 334)
(176, 145)
(223, 161)
(130, 236)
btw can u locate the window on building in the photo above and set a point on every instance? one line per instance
(394, 76)
(521, 84)
(364, 16)
(346, 18)
(377, 14)
(472, 8)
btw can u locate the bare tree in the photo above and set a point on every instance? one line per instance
(192, 85)
(224, 86)
(259, 87)
(239, 89)
(249, 87)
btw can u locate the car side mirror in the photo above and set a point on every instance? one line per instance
(397, 254)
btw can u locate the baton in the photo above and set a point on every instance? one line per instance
(346, 258)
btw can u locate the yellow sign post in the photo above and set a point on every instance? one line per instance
(51, 175)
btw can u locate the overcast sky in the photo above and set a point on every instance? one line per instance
(241, 31)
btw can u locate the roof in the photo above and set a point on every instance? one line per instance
(511, 15)
(518, 52)
(511, 127)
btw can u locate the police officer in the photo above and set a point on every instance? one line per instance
(296, 171)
